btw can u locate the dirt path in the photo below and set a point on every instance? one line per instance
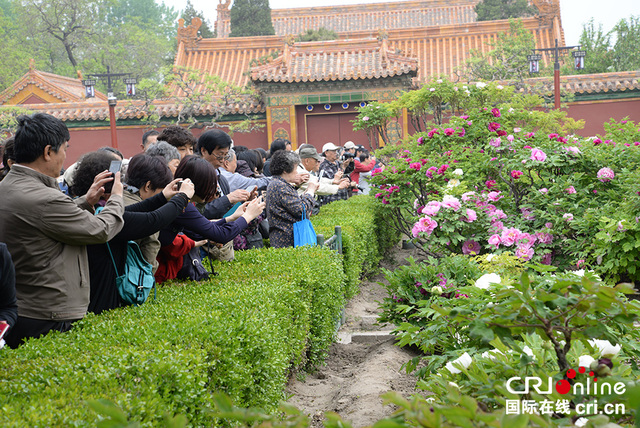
(363, 364)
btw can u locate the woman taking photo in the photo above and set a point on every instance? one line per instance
(284, 205)
(140, 220)
(193, 224)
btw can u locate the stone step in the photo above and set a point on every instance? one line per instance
(364, 337)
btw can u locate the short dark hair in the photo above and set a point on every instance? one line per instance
(148, 134)
(90, 165)
(249, 157)
(177, 136)
(259, 161)
(240, 149)
(364, 154)
(202, 174)
(112, 150)
(213, 139)
(277, 145)
(283, 162)
(37, 131)
(7, 154)
(145, 168)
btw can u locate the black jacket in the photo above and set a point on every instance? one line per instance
(8, 302)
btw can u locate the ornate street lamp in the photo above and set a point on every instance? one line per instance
(112, 100)
(534, 64)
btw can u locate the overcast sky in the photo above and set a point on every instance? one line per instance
(575, 13)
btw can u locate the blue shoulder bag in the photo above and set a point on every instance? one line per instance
(136, 282)
(303, 232)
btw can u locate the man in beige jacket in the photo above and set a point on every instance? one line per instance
(46, 231)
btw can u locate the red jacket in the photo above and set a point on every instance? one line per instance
(170, 257)
(360, 167)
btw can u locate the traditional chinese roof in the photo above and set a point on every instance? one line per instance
(438, 50)
(361, 17)
(39, 87)
(134, 109)
(591, 84)
(335, 60)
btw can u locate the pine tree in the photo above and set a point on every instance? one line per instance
(251, 18)
(491, 10)
(189, 13)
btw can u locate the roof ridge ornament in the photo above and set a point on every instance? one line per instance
(189, 34)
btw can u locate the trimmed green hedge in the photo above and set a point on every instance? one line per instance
(269, 312)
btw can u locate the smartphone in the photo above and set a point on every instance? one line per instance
(113, 168)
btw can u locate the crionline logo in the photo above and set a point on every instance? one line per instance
(563, 386)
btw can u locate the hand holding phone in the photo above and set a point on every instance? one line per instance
(113, 169)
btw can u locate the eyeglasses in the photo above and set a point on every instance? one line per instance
(220, 157)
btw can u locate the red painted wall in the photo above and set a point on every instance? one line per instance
(596, 114)
(321, 126)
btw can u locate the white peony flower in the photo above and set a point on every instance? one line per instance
(464, 360)
(581, 422)
(458, 171)
(480, 85)
(487, 279)
(528, 351)
(490, 257)
(607, 350)
(453, 183)
(491, 354)
(585, 361)
(454, 384)
(436, 289)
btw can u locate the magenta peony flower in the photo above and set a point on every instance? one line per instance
(546, 259)
(516, 174)
(451, 202)
(449, 131)
(538, 155)
(597, 141)
(501, 133)
(493, 126)
(495, 112)
(605, 174)
(570, 190)
(490, 183)
(430, 171)
(461, 132)
(552, 136)
(471, 216)
(433, 132)
(442, 169)
(470, 247)
(416, 166)
(495, 240)
(530, 134)
(420, 141)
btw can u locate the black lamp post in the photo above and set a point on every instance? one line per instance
(534, 64)
(130, 83)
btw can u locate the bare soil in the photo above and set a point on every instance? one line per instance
(357, 372)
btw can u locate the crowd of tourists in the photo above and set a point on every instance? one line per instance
(65, 234)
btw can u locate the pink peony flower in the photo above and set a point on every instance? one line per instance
(530, 134)
(509, 236)
(495, 112)
(471, 216)
(495, 240)
(495, 142)
(467, 196)
(510, 138)
(527, 240)
(451, 202)
(516, 130)
(366, 118)
(543, 190)
(497, 226)
(470, 247)
(428, 224)
(544, 238)
(494, 196)
(573, 149)
(538, 155)
(432, 208)
(568, 217)
(416, 166)
(570, 190)
(516, 174)
(433, 132)
(524, 253)
(497, 215)
(449, 131)
(546, 259)
(548, 225)
(605, 174)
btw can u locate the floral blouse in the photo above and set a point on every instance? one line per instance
(284, 207)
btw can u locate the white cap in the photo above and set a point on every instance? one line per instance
(349, 145)
(329, 146)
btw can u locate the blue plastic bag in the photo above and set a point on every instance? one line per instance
(303, 232)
